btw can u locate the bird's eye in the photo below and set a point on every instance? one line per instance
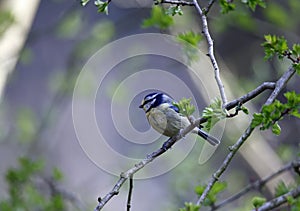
(147, 106)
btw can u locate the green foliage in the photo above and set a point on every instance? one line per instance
(102, 6)
(252, 4)
(213, 113)
(57, 174)
(24, 193)
(6, 19)
(296, 66)
(158, 19)
(226, 6)
(258, 201)
(189, 37)
(296, 50)
(281, 189)
(275, 45)
(174, 10)
(271, 114)
(185, 107)
(70, 26)
(189, 206)
(26, 123)
(212, 195)
(190, 41)
(278, 15)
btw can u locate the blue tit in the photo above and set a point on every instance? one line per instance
(165, 118)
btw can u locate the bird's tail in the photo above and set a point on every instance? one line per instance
(210, 139)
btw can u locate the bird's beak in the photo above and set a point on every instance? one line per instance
(142, 104)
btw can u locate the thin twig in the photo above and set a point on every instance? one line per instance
(211, 55)
(250, 95)
(207, 9)
(280, 84)
(258, 184)
(215, 177)
(177, 2)
(279, 200)
(129, 193)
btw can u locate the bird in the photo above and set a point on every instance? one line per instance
(164, 117)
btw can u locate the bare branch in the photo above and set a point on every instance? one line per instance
(280, 84)
(279, 200)
(210, 4)
(215, 177)
(211, 55)
(177, 2)
(149, 158)
(258, 184)
(250, 95)
(129, 193)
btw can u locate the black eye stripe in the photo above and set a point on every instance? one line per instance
(149, 100)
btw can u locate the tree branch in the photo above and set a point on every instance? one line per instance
(258, 184)
(279, 200)
(149, 158)
(210, 4)
(211, 55)
(129, 193)
(171, 141)
(250, 95)
(177, 2)
(281, 83)
(233, 149)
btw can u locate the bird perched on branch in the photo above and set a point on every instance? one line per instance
(164, 117)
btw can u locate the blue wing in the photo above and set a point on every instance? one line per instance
(175, 108)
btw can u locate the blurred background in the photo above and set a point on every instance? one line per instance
(45, 44)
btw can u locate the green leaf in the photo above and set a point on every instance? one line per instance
(226, 6)
(84, 2)
(174, 10)
(218, 187)
(253, 3)
(212, 195)
(257, 120)
(244, 109)
(296, 50)
(190, 37)
(57, 174)
(213, 113)
(189, 206)
(185, 107)
(158, 19)
(281, 189)
(297, 67)
(190, 41)
(275, 45)
(258, 201)
(276, 129)
(102, 6)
